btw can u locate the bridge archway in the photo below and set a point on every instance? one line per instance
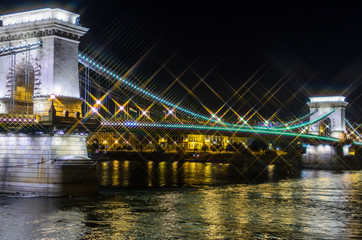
(24, 82)
(50, 46)
(325, 127)
(334, 124)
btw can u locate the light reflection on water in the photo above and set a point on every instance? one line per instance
(172, 174)
(159, 203)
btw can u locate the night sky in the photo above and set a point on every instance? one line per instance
(265, 56)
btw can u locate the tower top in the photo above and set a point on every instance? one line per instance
(329, 99)
(40, 15)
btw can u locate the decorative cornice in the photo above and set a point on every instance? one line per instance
(60, 97)
(327, 104)
(50, 27)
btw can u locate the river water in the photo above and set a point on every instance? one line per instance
(195, 201)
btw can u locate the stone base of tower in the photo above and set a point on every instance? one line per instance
(64, 106)
(46, 165)
(326, 156)
(8, 106)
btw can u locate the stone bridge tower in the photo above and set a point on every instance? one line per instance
(48, 68)
(333, 125)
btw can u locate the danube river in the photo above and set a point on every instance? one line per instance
(169, 200)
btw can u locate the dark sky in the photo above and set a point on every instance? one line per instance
(276, 53)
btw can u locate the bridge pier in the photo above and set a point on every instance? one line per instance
(39, 80)
(46, 165)
(329, 156)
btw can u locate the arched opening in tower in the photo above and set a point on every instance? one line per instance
(23, 88)
(326, 127)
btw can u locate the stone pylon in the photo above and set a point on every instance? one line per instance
(50, 67)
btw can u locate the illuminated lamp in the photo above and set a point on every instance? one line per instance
(53, 96)
(95, 110)
(98, 102)
(121, 108)
(144, 113)
(170, 112)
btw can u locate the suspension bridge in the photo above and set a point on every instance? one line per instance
(112, 111)
(50, 89)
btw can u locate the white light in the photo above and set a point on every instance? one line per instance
(95, 110)
(144, 113)
(98, 102)
(170, 112)
(327, 99)
(39, 15)
(121, 108)
(53, 96)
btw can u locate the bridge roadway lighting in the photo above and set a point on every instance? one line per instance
(121, 108)
(85, 60)
(98, 102)
(97, 67)
(53, 96)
